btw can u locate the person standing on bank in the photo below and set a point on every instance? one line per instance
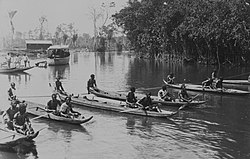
(91, 83)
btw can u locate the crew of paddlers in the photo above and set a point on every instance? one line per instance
(17, 119)
(16, 61)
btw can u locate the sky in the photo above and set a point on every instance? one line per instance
(56, 12)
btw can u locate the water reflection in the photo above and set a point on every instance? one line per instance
(75, 58)
(62, 71)
(18, 150)
(20, 76)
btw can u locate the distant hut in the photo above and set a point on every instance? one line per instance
(38, 44)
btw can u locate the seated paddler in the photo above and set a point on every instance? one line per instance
(66, 109)
(9, 114)
(21, 121)
(131, 98)
(53, 105)
(146, 103)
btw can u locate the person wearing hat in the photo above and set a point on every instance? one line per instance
(146, 103)
(91, 83)
(9, 114)
(170, 78)
(163, 94)
(12, 91)
(182, 94)
(131, 99)
(21, 121)
(66, 109)
(59, 86)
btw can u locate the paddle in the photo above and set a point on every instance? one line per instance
(131, 109)
(188, 102)
(33, 96)
(13, 135)
(40, 116)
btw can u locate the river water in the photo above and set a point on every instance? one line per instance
(218, 129)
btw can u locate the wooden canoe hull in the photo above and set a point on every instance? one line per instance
(199, 88)
(237, 82)
(34, 109)
(86, 101)
(11, 137)
(122, 97)
(15, 69)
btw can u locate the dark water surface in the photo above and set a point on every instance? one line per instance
(218, 129)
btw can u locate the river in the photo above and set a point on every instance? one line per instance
(218, 129)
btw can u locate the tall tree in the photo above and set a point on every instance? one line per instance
(11, 16)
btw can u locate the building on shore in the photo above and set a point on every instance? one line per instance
(38, 44)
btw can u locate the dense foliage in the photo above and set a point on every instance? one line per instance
(205, 30)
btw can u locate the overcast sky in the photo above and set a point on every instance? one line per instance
(56, 12)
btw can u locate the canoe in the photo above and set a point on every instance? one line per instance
(193, 87)
(38, 110)
(155, 99)
(237, 82)
(14, 69)
(10, 137)
(120, 107)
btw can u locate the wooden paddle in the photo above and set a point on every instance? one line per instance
(132, 109)
(33, 96)
(40, 116)
(188, 102)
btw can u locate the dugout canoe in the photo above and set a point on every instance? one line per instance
(38, 110)
(237, 82)
(155, 99)
(199, 88)
(14, 69)
(116, 106)
(12, 137)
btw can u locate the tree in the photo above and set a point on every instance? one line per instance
(42, 20)
(11, 16)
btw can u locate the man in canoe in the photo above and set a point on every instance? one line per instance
(9, 114)
(214, 75)
(131, 99)
(26, 60)
(12, 91)
(207, 83)
(54, 104)
(146, 103)
(163, 94)
(59, 86)
(8, 60)
(183, 95)
(21, 121)
(219, 84)
(91, 83)
(170, 78)
(66, 109)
